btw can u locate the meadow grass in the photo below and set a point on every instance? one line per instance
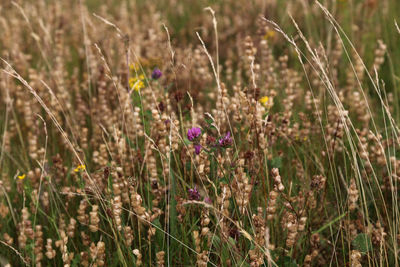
(199, 133)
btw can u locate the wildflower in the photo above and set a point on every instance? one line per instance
(208, 200)
(226, 140)
(194, 194)
(136, 83)
(193, 133)
(156, 74)
(264, 100)
(210, 141)
(22, 177)
(80, 168)
(197, 149)
(134, 66)
(269, 34)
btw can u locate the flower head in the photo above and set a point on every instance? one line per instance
(80, 168)
(194, 194)
(22, 177)
(208, 200)
(197, 149)
(193, 133)
(269, 34)
(156, 74)
(264, 100)
(136, 83)
(226, 140)
(134, 66)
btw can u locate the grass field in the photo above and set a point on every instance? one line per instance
(199, 133)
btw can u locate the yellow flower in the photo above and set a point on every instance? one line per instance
(269, 34)
(141, 63)
(79, 168)
(264, 100)
(136, 83)
(22, 177)
(134, 66)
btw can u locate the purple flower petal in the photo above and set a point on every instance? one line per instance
(194, 194)
(193, 133)
(197, 149)
(226, 140)
(156, 74)
(208, 200)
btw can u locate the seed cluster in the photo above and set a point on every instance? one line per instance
(128, 140)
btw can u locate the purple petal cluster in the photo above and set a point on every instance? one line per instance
(194, 194)
(208, 200)
(197, 149)
(193, 133)
(156, 74)
(226, 140)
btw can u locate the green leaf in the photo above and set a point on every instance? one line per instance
(209, 121)
(265, 115)
(186, 141)
(286, 261)
(148, 115)
(231, 242)
(173, 221)
(76, 260)
(216, 241)
(362, 243)
(224, 180)
(329, 223)
(276, 162)
(159, 234)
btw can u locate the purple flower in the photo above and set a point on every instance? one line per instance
(208, 200)
(156, 74)
(194, 194)
(197, 149)
(193, 133)
(226, 140)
